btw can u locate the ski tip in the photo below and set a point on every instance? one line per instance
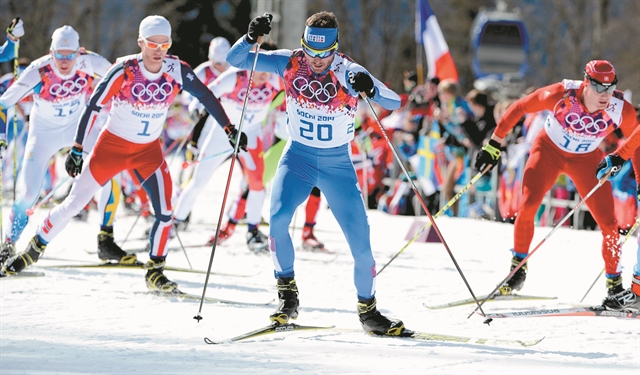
(532, 342)
(23, 274)
(211, 342)
(407, 333)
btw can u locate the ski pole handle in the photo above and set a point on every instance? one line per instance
(259, 40)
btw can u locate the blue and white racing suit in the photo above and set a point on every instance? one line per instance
(320, 122)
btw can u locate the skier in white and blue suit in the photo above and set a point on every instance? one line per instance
(322, 87)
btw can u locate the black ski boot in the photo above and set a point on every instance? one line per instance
(257, 241)
(7, 250)
(627, 300)
(109, 250)
(374, 322)
(288, 296)
(516, 282)
(22, 260)
(614, 285)
(156, 280)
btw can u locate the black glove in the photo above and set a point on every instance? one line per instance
(488, 156)
(232, 134)
(73, 164)
(259, 26)
(362, 82)
(195, 115)
(192, 151)
(611, 162)
(3, 146)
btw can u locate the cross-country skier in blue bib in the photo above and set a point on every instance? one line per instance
(322, 88)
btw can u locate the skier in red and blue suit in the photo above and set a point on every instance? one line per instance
(141, 89)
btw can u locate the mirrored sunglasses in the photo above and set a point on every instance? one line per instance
(154, 45)
(60, 56)
(600, 88)
(321, 54)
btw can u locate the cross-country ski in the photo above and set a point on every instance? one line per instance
(597, 311)
(408, 335)
(140, 266)
(495, 298)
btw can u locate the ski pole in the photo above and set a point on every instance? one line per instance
(131, 228)
(365, 161)
(187, 164)
(626, 237)
(182, 143)
(417, 193)
(444, 209)
(523, 261)
(198, 317)
(175, 228)
(16, 73)
(169, 148)
(30, 210)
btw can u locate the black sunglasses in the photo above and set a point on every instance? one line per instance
(601, 87)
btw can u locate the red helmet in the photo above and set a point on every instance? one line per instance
(601, 71)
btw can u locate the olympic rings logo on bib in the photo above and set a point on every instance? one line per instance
(315, 89)
(257, 95)
(158, 93)
(68, 87)
(585, 123)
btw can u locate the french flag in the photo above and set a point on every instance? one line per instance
(439, 61)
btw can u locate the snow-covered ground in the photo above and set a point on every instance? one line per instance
(92, 321)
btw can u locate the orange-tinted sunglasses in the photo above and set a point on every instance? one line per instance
(154, 45)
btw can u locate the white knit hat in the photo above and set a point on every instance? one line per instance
(65, 38)
(155, 25)
(218, 49)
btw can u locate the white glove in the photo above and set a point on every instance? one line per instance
(192, 151)
(16, 28)
(195, 110)
(280, 129)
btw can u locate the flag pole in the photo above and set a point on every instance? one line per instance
(419, 71)
(418, 30)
